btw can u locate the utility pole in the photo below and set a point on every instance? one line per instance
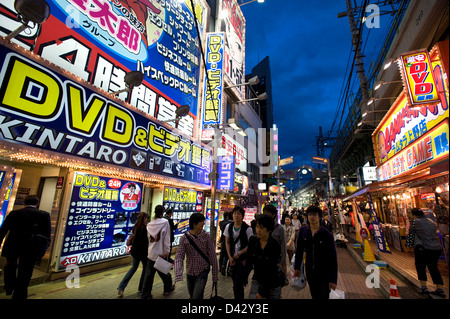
(356, 39)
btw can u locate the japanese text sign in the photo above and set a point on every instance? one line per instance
(418, 78)
(212, 97)
(226, 173)
(43, 109)
(102, 214)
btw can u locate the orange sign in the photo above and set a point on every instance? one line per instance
(418, 78)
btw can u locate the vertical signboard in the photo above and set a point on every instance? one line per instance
(212, 97)
(183, 202)
(233, 25)
(226, 173)
(418, 78)
(101, 216)
(101, 40)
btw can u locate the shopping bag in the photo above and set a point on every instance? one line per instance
(162, 265)
(337, 294)
(298, 283)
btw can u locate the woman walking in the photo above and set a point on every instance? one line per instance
(138, 251)
(427, 250)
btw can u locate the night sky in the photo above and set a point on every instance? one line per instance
(308, 48)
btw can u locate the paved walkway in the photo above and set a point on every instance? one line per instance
(103, 285)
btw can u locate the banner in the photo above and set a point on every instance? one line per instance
(213, 87)
(43, 109)
(418, 78)
(378, 232)
(100, 41)
(183, 202)
(102, 214)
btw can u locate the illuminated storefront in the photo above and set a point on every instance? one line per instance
(412, 150)
(95, 159)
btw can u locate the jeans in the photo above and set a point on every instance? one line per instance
(134, 267)
(274, 293)
(427, 258)
(196, 284)
(150, 272)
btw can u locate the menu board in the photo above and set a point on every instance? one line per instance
(101, 216)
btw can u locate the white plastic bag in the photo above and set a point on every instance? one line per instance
(298, 283)
(337, 294)
(162, 265)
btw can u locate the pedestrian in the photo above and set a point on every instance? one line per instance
(158, 233)
(223, 257)
(28, 232)
(138, 251)
(237, 234)
(290, 238)
(321, 261)
(168, 215)
(263, 255)
(326, 223)
(198, 248)
(277, 233)
(427, 250)
(296, 222)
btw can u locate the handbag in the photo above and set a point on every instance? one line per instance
(409, 242)
(214, 292)
(39, 243)
(337, 294)
(130, 240)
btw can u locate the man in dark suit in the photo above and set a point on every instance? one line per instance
(20, 246)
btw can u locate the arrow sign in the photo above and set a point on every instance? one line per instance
(319, 160)
(286, 161)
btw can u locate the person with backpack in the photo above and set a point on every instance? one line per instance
(237, 234)
(198, 248)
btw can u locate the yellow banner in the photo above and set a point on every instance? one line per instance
(418, 78)
(430, 147)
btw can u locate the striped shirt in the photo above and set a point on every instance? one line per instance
(195, 263)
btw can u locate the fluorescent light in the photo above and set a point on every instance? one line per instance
(242, 133)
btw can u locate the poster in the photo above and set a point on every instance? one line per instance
(100, 41)
(184, 202)
(101, 216)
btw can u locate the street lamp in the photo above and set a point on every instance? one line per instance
(36, 11)
(181, 112)
(133, 78)
(253, 81)
(261, 97)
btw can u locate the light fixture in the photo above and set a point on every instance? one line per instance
(389, 63)
(181, 112)
(261, 97)
(36, 11)
(232, 123)
(380, 98)
(133, 78)
(380, 83)
(253, 81)
(377, 111)
(242, 2)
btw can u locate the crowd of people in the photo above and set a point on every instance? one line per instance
(266, 248)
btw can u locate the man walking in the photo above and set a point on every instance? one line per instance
(21, 247)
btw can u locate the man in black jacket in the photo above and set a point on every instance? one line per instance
(321, 260)
(20, 248)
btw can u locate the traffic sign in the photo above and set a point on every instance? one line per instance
(286, 161)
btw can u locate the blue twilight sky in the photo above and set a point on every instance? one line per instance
(308, 48)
